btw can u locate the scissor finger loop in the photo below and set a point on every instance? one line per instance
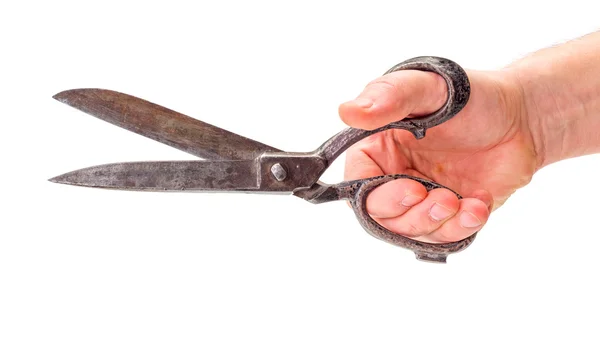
(424, 251)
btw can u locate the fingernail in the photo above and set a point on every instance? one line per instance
(438, 212)
(363, 102)
(468, 220)
(410, 200)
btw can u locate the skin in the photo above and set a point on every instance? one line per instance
(539, 110)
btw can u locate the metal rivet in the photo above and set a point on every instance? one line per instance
(279, 172)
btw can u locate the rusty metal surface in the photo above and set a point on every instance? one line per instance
(241, 164)
(257, 176)
(163, 125)
(240, 175)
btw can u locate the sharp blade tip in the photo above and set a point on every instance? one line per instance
(58, 180)
(74, 178)
(65, 179)
(68, 95)
(62, 96)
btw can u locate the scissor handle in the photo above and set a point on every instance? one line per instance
(458, 95)
(459, 91)
(357, 191)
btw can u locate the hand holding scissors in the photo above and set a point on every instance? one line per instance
(236, 163)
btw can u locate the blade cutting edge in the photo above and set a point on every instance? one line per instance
(198, 175)
(163, 125)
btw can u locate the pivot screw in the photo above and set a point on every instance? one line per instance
(279, 172)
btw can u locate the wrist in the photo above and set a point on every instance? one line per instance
(561, 99)
(517, 109)
(528, 112)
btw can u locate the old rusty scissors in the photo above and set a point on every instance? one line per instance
(236, 163)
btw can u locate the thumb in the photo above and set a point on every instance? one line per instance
(393, 97)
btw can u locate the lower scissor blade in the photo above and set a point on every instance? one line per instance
(168, 176)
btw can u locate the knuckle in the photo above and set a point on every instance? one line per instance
(443, 193)
(387, 83)
(412, 230)
(383, 81)
(442, 236)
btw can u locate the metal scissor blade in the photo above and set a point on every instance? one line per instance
(205, 175)
(163, 125)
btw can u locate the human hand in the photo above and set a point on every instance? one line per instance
(485, 153)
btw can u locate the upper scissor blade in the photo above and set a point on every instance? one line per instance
(222, 175)
(164, 125)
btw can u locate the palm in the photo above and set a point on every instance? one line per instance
(468, 153)
(486, 146)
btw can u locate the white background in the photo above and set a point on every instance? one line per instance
(86, 271)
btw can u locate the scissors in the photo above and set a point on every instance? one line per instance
(235, 163)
